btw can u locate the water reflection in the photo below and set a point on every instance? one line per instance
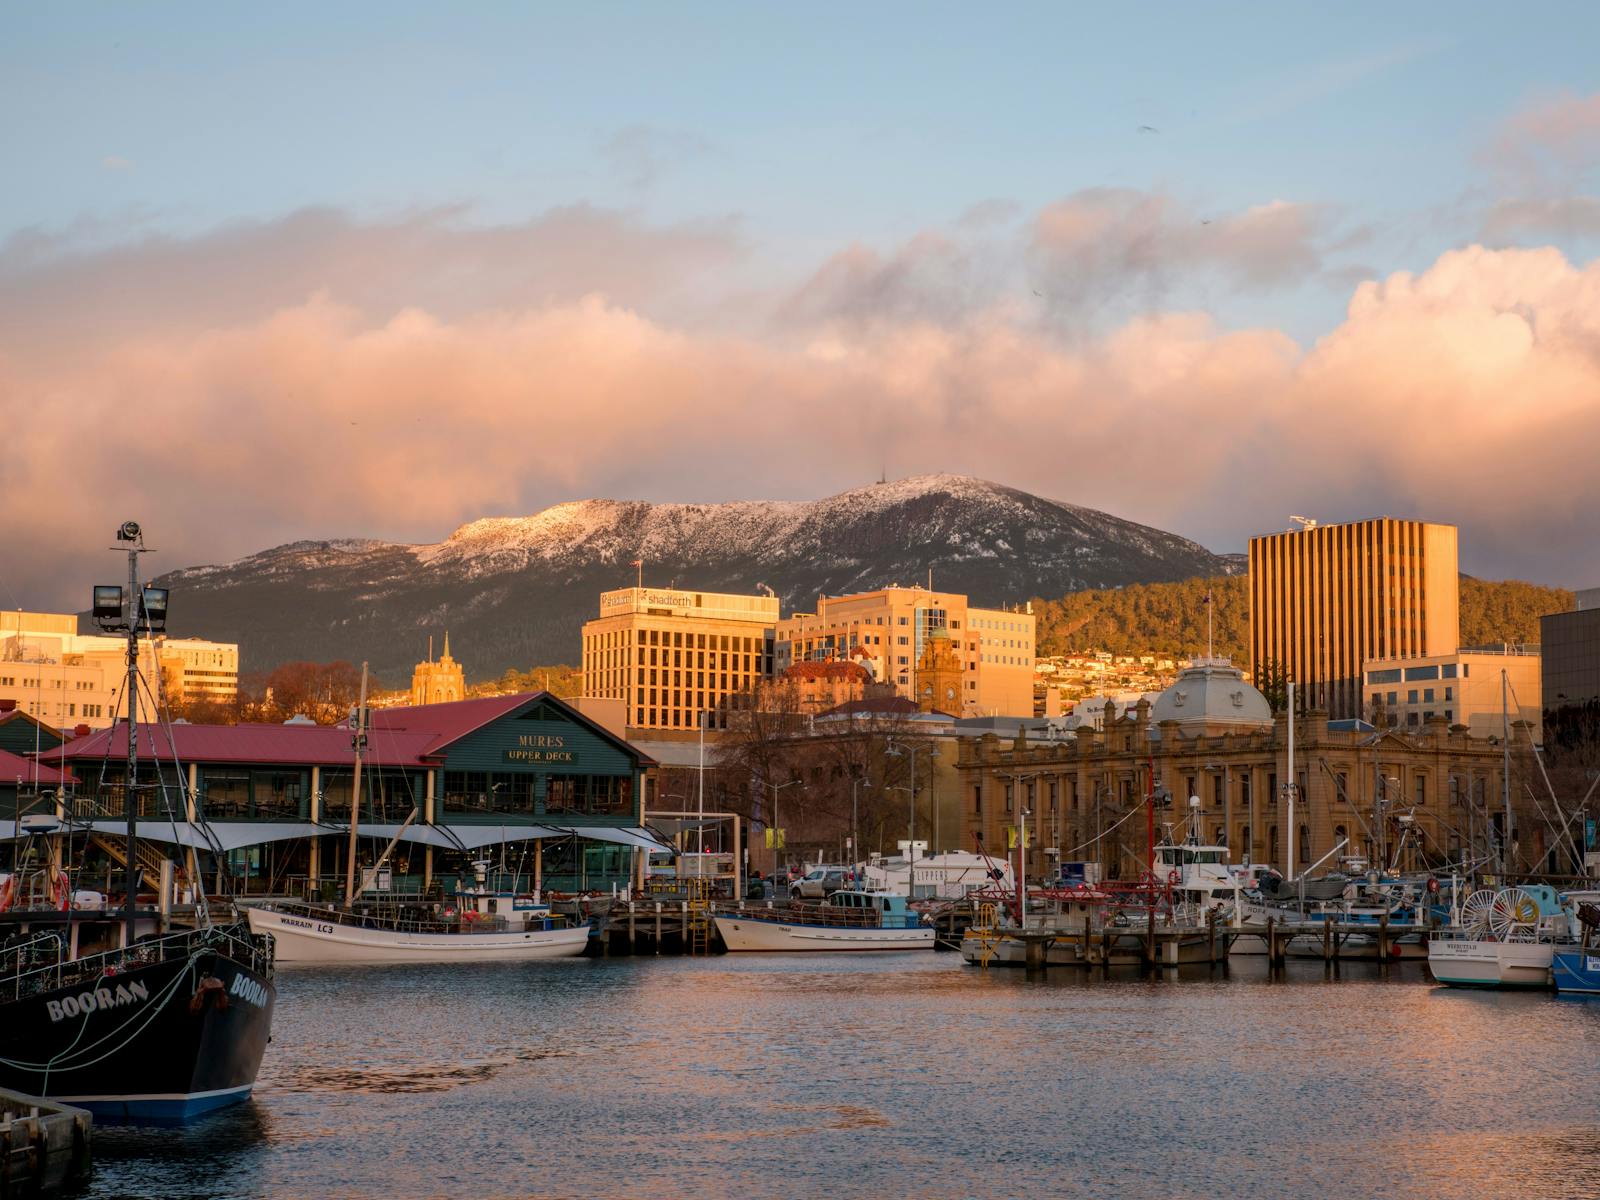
(904, 1074)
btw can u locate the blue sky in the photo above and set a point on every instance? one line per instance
(812, 125)
(1152, 259)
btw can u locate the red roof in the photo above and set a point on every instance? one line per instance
(317, 745)
(410, 736)
(445, 723)
(14, 768)
(827, 669)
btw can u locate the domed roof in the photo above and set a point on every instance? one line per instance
(1212, 692)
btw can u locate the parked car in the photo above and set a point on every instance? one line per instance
(819, 883)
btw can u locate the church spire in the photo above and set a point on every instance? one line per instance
(446, 657)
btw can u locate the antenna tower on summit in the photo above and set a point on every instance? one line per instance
(1305, 522)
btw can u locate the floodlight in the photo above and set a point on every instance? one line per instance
(108, 604)
(155, 609)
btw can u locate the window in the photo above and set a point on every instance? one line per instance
(1427, 695)
(1422, 789)
(1448, 671)
(1393, 699)
(1384, 676)
(1449, 694)
(1420, 673)
(1411, 696)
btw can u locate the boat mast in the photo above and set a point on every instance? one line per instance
(1505, 774)
(358, 740)
(136, 612)
(1289, 787)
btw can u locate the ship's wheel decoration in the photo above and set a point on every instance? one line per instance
(1513, 915)
(1475, 910)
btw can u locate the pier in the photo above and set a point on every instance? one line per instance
(44, 1146)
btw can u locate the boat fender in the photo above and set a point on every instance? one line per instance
(8, 892)
(1433, 885)
(210, 992)
(63, 893)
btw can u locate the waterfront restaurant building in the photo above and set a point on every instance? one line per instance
(523, 779)
(1213, 737)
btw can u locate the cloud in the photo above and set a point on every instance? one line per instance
(1543, 162)
(1102, 244)
(1101, 254)
(56, 286)
(413, 381)
(115, 162)
(1561, 133)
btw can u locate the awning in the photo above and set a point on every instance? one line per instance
(641, 839)
(229, 835)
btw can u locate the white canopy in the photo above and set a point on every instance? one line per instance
(231, 835)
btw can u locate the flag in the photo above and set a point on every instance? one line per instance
(1208, 596)
(780, 839)
(638, 562)
(769, 839)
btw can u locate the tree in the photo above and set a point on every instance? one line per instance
(1272, 681)
(325, 692)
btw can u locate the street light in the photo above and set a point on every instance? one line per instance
(777, 831)
(855, 832)
(911, 845)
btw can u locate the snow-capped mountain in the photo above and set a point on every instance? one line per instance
(514, 591)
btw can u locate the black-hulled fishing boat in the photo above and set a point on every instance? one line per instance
(120, 1012)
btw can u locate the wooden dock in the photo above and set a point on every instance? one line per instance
(44, 1146)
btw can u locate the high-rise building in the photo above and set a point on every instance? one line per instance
(888, 632)
(665, 656)
(66, 678)
(1327, 598)
(1571, 689)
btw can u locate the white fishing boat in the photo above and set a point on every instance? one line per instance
(497, 927)
(847, 920)
(1501, 939)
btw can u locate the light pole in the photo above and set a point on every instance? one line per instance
(855, 831)
(1022, 807)
(777, 830)
(908, 748)
(911, 845)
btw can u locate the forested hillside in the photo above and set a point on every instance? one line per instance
(1170, 618)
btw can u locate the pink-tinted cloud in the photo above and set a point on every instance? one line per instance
(1469, 392)
(1543, 161)
(1561, 132)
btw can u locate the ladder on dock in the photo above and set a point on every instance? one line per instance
(697, 917)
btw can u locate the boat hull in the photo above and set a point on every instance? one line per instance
(1467, 962)
(139, 1045)
(741, 933)
(1576, 972)
(305, 940)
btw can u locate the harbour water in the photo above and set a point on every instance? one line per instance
(896, 1074)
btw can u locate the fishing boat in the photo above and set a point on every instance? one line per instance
(120, 1012)
(1502, 939)
(846, 920)
(478, 925)
(1575, 970)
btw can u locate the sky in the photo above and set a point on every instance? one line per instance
(305, 271)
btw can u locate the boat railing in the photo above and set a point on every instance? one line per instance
(412, 922)
(37, 966)
(816, 913)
